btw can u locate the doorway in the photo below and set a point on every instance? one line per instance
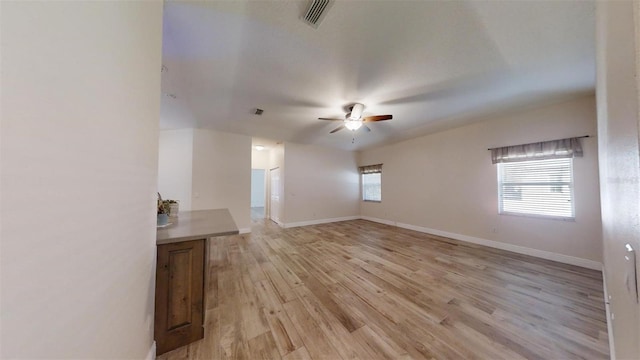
(274, 204)
(258, 194)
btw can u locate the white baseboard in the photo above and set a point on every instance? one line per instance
(612, 349)
(320, 221)
(151, 355)
(378, 220)
(566, 259)
(244, 230)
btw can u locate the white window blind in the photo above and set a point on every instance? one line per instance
(537, 187)
(371, 176)
(372, 187)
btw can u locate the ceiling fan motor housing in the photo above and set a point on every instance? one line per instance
(356, 111)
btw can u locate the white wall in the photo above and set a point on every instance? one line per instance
(209, 169)
(319, 183)
(445, 181)
(617, 91)
(175, 161)
(260, 159)
(79, 144)
(258, 187)
(222, 174)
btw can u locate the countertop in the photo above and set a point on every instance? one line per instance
(200, 224)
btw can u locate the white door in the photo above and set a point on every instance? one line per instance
(274, 206)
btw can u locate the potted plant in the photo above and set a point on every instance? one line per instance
(163, 212)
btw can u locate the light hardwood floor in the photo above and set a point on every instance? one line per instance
(359, 289)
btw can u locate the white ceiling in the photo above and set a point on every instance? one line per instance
(432, 64)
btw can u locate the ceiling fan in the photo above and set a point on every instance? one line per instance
(353, 120)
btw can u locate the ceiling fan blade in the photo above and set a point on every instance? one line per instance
(366, 128)
(331, 119)
(337, 129)
(377, 118)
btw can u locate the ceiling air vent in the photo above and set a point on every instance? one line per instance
(316, 12)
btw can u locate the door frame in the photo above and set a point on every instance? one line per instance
(268, 203)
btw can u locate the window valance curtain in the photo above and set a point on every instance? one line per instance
(554, 149)
(370, 169)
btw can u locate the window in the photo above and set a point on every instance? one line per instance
(371, 187)
(537, 187)
(371, 176)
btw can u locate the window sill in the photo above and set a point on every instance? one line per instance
(372, 201)
(543, 217)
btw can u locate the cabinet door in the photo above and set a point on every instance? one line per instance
(179, 294)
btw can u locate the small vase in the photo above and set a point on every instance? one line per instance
(173, 209)
(163, 219)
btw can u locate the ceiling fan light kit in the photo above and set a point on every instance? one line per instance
(353, 125)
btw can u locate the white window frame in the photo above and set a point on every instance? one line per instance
(571, 185)
(362, 187)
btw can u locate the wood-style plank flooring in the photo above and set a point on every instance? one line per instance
(362, 290)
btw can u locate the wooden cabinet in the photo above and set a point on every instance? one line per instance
(180, 273)
(179, 312)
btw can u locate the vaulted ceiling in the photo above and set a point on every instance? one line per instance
(432, 64)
